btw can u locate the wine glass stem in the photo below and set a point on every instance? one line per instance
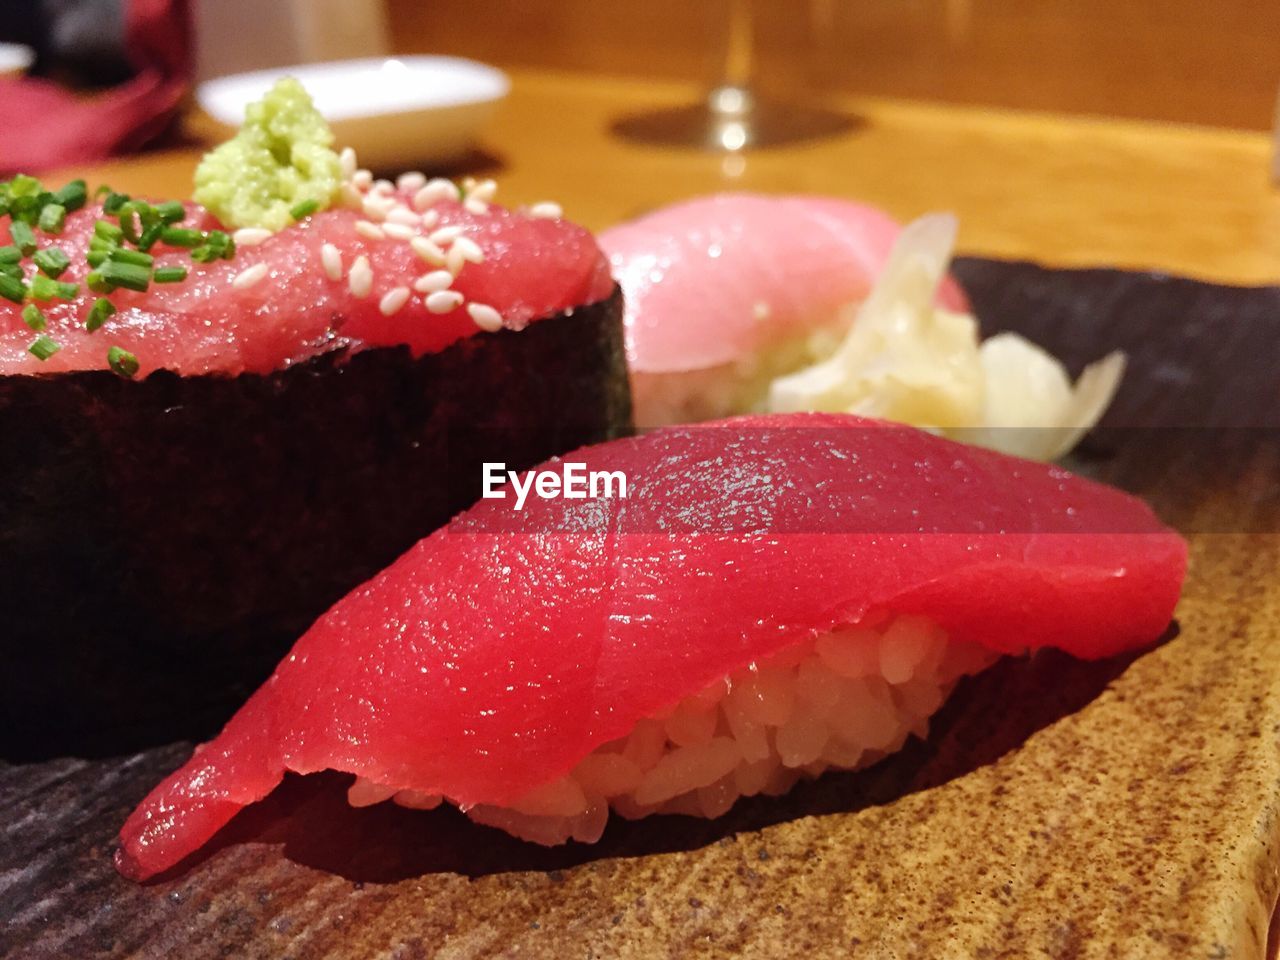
(740, 48)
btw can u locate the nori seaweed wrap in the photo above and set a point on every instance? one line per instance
(163, 542)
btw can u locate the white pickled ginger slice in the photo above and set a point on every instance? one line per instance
(907, 360)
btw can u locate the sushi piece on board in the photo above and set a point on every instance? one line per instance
(725, 292)
(774, 596)
(739, 303)
(196, 471)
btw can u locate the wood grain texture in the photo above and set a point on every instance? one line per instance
(1123, 808)
(1069, 192)
(1175, 60)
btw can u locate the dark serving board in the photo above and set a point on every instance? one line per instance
(1060, 809)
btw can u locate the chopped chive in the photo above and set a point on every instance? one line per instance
(44, 347)
(134, 219)
(125, 255)
(181, 237)
(42, 288)
(98, 314)
(98, 284)
(10, 255)
(304, 209)
(150, 236)
(205, 254)
(52, 261)
(52, 218)
(170, 275)
(24, 186)
(171, 212)
(12, 270)
(111, 206)
(22, 236)
(105, 230)
(131, 276)
(122, 363)
(12, 288)
(73, 196)
(102, 190)
(97, 258)
(34, 317)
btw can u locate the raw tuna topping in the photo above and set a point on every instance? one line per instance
(136, 286)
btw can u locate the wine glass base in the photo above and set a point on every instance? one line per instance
(761, 124)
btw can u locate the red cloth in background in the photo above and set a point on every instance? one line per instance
(44, 125)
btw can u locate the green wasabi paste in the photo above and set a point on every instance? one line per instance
(280, 162)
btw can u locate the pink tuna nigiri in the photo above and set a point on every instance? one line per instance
(529, 268)
(774, 596)
(725, 292)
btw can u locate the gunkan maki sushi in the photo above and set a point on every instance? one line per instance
(217, 419)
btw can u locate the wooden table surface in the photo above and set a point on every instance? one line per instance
(1180, 60)
(1062, 191)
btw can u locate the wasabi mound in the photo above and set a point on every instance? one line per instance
(282, 157)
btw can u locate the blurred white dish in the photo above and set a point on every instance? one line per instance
(15, 59)
(395, 112)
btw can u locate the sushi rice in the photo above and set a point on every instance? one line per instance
(842, 700)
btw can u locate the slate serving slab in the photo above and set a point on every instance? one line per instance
(1126, 808)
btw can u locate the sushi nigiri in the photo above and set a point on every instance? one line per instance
(774, 596)
(725, 292)
(739, 303)
(185, 423)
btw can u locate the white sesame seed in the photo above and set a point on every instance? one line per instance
(398, 230)
(483, 191)
(347, 160)
(442, 301)
(351, 197)
(360, 279)
(331, 260)
(546, 211)
(463, 251)
(430, 218)
(383, 187)
(370, 231)
(393, 301)
(402, 214)
(250, 236)
(376, 207)
(413, 180)
(485, 316)
(362, 179)
(469, 250)
(428, 251)
(248, 277)
(433, 192)
(424, 198)
(446, 235)
(434, 282)
(478, 207)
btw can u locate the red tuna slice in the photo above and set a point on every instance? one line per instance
(532, 268)
(498, 652)
(718, 279)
